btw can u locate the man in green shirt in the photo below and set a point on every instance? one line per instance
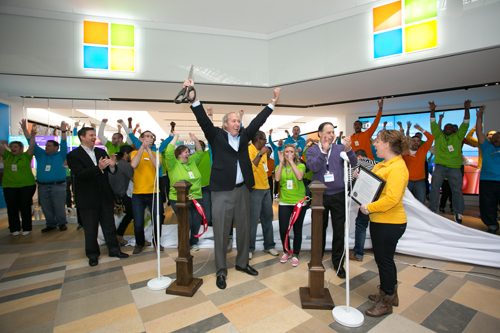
(113, 146)
(448, 159)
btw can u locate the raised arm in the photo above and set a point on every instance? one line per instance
(100, 133)
(374, 126)
(467, 107)
(479, 125)
(197, 144)
(408, 124)
(242, 113)
(31, 147)
(136, 160)
(277, 174)
(24, 127)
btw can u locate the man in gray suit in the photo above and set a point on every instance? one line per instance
(230, 181)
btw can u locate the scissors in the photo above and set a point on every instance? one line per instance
(184, 93)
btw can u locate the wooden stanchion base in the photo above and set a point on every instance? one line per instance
(188, 291)
(325, 303)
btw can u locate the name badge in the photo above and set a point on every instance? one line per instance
(289, 184)
(146, 159)
(190, 174)
(14, 167)
(47, 168)
(356, 143)
(265, 167)
(450, 148)
(328, 177)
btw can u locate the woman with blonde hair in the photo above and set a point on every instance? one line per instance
(289, 174)
(387, 217)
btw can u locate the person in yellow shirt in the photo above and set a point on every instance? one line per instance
(387, 216)
(261, 203)
(473, 142)
(144, 192)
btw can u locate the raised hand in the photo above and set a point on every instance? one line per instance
(242, 112)
(347, 143)
(467, 104)
(193, 137)
(480, 111)
(381, 103)
(441, 116)
(432, 106)
(408, 123)
(104, 121)
(277, 92)
(280, 156)
(24, 124)
(270, 131)
(287, 133)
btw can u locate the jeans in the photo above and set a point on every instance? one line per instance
(195, 220)
(261, 206)
(417, 188)
(385, 238)
(52, 199)
(489, 199)
(362, 221)
(455, 179)
(19, 199)
(285, 212)
(139, 204)
(207, 202)
(335, 205)
(129, 216)
(445, 195)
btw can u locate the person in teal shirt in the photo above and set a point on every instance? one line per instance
(19, 183)
(183, 166)
(289, 174)
(489, 180)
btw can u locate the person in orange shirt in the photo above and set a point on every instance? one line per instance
(361, 140)
(415, 162)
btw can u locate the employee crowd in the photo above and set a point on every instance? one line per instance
(236, 175)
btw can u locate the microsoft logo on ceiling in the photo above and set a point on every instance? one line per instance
(108, 46)
(404, 26)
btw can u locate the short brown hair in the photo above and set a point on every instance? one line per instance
(397, 141)
(179, 150)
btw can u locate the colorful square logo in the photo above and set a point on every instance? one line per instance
(108, 46)
(404, 26)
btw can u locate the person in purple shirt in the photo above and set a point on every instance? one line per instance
(328, 167)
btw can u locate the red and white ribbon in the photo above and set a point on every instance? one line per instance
(293, 218)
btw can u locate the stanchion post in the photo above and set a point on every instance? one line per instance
(185, 284)
(316, 296)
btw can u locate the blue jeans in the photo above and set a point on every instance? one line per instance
(52, 199)
(417, 188)
(139, 204)
(195, 220)
(261, 206)
(455, 179)
(362, 221)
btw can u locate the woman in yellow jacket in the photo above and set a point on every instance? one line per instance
(387, 217)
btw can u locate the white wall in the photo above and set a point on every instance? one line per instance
(42, 46)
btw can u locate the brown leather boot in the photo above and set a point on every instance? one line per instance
(395, 301)
(382, 306)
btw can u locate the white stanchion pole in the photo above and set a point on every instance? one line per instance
(345, 315)
(161, 282)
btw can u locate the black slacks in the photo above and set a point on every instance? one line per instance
(91, 218)
(335, 206)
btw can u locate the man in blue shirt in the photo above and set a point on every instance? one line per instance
(296, 140)
(489, 180)
(51, 179)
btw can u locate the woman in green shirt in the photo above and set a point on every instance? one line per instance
(181, 165)
(18, 183)
(290, 174)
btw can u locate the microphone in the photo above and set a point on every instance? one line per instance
(343, 155)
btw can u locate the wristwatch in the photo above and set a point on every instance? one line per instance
(367, 210)
(259, 154)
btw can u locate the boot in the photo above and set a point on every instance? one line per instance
(121, 240)
(382, 306)
(395, 301)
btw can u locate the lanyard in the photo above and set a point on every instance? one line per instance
(328, 158)
(202, 213)
(293, 218)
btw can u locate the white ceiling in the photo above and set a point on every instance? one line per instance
(257, 17)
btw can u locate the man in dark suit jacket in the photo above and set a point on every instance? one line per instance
(230, 181)
(93, 194)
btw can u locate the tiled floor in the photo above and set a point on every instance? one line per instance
(46, 285)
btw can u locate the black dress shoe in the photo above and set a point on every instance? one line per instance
(47, 229)
(341, 273)
(119, 255)
(93, 262)
(221, 282)
(249, 270)
(63, 227)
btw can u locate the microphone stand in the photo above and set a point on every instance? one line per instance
(160, 282)
(345, 315)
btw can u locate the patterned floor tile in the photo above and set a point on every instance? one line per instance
(431, 281)
(369, 322)
(422, 307)
(38, 315)
(449, 317)
(393, 324)
(232, 293)
(479, 297)
(209, 324)
(483, 323)
(280, 321)
(311, 325)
